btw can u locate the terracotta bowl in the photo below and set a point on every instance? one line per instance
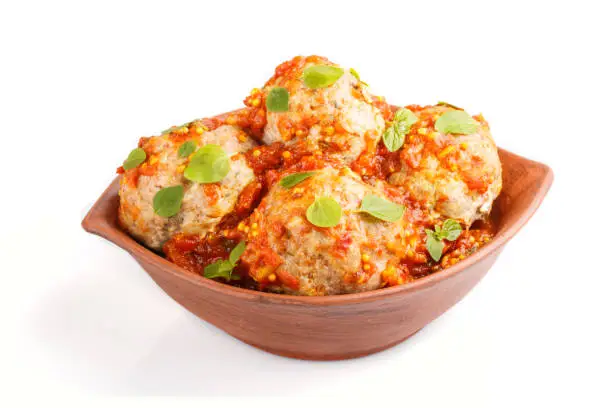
(341, 326)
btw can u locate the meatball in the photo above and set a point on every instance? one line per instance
(339, 118)
(287, 253)
(456, 175)
(203, 205)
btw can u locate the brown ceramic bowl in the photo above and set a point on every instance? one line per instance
(341, 326)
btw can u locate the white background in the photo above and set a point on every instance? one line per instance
(81, 82)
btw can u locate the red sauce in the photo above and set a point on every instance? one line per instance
(379, 165)
(194, 252)
(264, 158)
(247, 201)
(271, 162)
(342, 245)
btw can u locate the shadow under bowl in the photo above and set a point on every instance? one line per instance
(341, 326)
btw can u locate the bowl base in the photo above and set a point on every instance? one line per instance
(328, 357)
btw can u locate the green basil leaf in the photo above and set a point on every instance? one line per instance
(167, 201)
(456, 122)
(324, 212)
(404, 119)
(295, 178)
(451, 229)
(209, 164)
(236, 253)
(434, 246)
(393, 139)
(381, 208)
(442, 103)
(135, 159)
(357, 77)
(278, 100)
(220, 269)
(395, 135)
(173, 128)
(187, 148)
(321, 76)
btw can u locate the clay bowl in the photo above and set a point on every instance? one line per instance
(334, 327)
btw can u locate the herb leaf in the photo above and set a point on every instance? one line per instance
(456, 122)
(236, 253)
(278, 100)
(324, 212)
(442, 103)
(450, 231)
(209, 164)
(404, 119)
(135, 159)
(224, 268)
(381, 208)
(295, 178)
(220, 269)
(167, 201)
(357, 77)
(174, 128)
(434, 246)
(321, 76)
(392, 139)
(187, 148)
(395, 134)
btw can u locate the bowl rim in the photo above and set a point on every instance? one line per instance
(96, 222)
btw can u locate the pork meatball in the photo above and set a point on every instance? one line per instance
(203, 205)
(456, 175)
(338, 118)
(289, 254)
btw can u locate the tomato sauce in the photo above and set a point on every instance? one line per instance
(272, 162)
(193, 252)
